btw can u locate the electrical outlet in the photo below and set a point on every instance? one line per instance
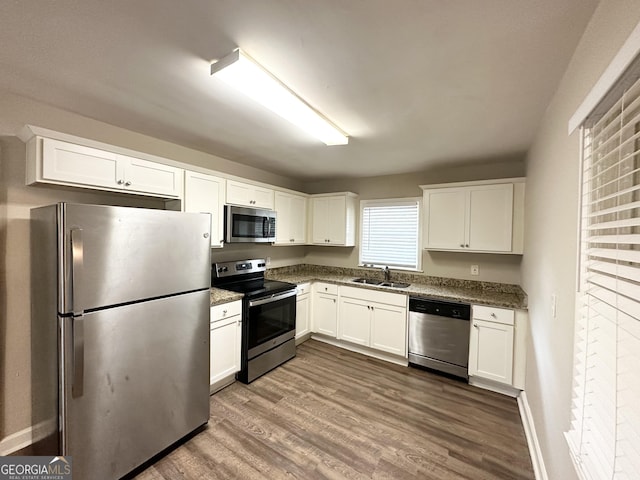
(554, 305)
(268, 261)
(475, 270)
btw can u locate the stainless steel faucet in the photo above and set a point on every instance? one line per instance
(387, 274)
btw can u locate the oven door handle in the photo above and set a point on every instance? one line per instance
(273, 298)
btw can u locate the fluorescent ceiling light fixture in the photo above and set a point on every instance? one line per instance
(244, 74)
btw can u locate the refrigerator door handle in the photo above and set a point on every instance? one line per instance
(77, 260)
(77, 385)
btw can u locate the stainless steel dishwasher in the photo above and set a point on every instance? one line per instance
(439, 335)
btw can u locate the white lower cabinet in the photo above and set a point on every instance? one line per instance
(491, 344)
(355, 321)
(325, 309)
(389, 329)
(226, 335)
(303, 310)
(373, 319)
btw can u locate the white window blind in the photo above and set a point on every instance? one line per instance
(390, 233)
(604, 435)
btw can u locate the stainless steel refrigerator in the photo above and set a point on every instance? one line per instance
(120, 333)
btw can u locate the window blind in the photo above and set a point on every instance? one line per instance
(604, 435)
(390, 233)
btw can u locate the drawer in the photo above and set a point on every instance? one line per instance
(303, 289)
(494, 314)
(329, 288)
(226, 310)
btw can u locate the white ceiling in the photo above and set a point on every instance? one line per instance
(415, 83)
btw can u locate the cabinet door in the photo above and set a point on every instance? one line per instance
(224, 348)
(151, 177)
(303, 303)
(491, 351)
(262, 197)
(283, 218)
(206, 193)
(239, 193)
(337, 225)
(320, 213)
(445, 218)
(355, 323)
(248, 195)
(325, 314)
(389, 329)
(298, 219)
(491, 218)
(70, 163)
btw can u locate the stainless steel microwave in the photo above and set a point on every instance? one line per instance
(249, 225)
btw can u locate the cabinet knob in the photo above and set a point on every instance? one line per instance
(126, 184)
(493, 315)
(476, 325)
(205, 235)
(462, 245)
(467, 245)
(326, 289)
(120, 182)
(224, 312)
(334, 300)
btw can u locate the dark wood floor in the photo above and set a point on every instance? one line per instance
(330, 413)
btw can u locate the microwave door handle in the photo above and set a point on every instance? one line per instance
(265, 224)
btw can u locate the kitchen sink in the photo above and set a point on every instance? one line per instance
(367, 281)
(393, 284)
(380, 283)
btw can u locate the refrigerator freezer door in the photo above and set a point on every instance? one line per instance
(115, 255)
(145, 383)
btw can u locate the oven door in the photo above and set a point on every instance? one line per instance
(271, 321)
(249, 225)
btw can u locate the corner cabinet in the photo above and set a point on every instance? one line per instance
(497, 345)
(249, 195)
(291, 219)
(485, 216)
(226, 335)
(64, 163)
(206, 193)
(333, 219)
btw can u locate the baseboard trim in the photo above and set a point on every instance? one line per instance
(537, 460)
(26, 437)
(387, 357)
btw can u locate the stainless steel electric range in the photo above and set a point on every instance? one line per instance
(269, 315)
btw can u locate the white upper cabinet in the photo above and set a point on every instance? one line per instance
(334, 219)
(475, 216)
(206, 193)
(65, 163)
(291, 219)
(248, 195)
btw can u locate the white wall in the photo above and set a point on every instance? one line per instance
(551, 214)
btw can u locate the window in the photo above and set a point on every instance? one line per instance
(389, 233)
(604, 435)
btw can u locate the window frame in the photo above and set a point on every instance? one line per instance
(392, 202)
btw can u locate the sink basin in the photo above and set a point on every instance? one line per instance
(367, 281)
(393, 284)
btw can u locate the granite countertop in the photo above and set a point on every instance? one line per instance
(219, 296)
(483, 293)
